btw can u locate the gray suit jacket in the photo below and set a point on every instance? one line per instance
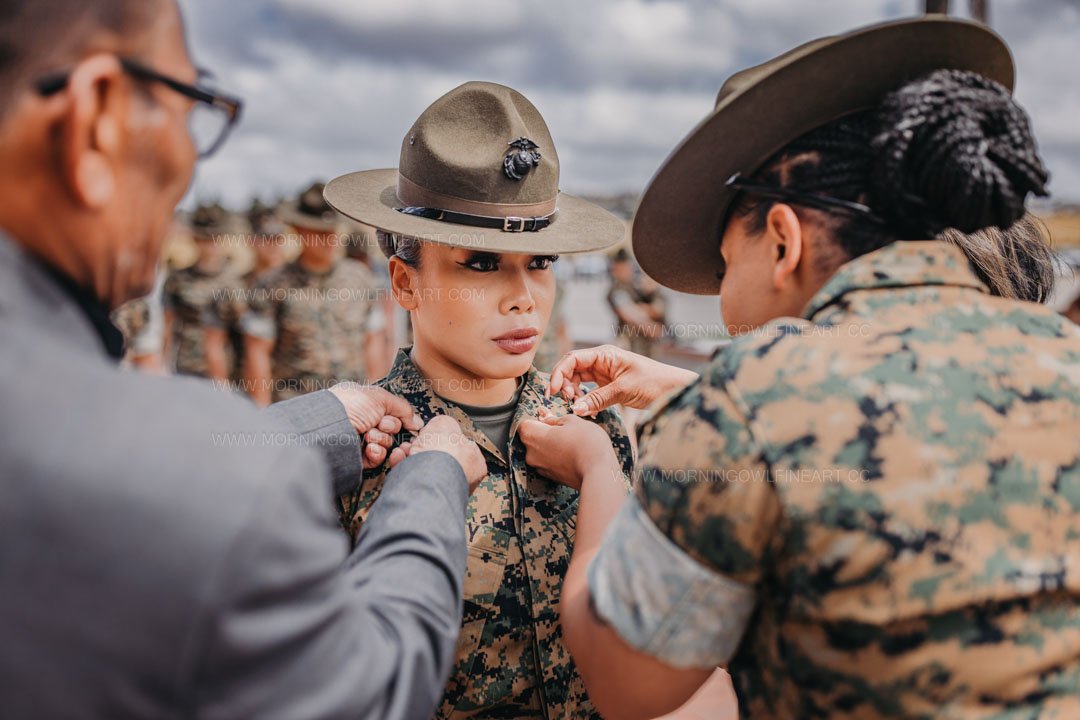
(168, 551)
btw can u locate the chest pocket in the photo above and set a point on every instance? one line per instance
(349, 313)
(301, 339)
(489, 550)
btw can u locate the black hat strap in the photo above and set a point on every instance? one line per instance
(506, 224)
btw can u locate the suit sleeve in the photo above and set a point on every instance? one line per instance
(296, 628)
(320, 420)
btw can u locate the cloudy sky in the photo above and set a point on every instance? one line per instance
(331, 86)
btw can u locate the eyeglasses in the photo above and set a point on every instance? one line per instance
(818, 202)
(209, 121)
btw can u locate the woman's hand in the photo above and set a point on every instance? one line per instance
(567, 448)
(623, 377)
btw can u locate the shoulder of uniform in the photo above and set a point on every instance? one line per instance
(747, 353)
(539, 380)
(541, 377)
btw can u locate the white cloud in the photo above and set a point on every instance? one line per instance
(332, 85)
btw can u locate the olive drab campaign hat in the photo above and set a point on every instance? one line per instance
(479, 169)
(209, 221)
(677, 229)
(311, 212)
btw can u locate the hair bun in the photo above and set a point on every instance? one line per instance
(953, 149)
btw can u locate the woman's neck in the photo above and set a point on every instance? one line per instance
(456, 384)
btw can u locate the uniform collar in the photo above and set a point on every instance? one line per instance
(406, 379)
(905, 263)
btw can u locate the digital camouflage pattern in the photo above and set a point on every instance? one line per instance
(622, 295)
(318, 322)
(520, 528)
(227, 312)
(133, 319)
(897, 478)
(548, 352)
(189, 295)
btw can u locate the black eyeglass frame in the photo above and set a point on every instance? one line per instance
(232, 106)
(795, 197)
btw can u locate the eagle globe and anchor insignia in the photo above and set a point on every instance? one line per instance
(523, 158)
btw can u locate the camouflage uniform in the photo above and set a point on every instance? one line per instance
(627, 295)
(520, 527)
(133, 319)
(884, 496)
(318, 322)
(189, 294)
(227, 312)
(548, 352)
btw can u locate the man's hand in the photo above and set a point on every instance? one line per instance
(565, 448)
(377, 415)
(623, 377)
(444, 434)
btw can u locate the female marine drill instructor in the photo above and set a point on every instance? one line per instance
(868, 504)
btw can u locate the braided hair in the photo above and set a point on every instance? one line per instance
(948, 150)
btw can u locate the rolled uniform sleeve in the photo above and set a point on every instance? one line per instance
(260, 316)
(225, 308)
(676, 576)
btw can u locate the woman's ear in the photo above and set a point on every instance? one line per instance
(403, 284)
(785, 233)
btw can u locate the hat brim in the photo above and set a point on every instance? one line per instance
(209, 233)
(678, 226)
(290, 215)
(370, 197)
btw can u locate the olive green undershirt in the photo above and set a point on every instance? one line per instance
(495, 420)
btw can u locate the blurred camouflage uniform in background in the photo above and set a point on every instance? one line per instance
(318, 322)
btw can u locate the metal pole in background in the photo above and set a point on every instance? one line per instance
(980, 9)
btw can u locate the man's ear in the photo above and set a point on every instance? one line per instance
(92, 128)
(403, 284)
(785, 233)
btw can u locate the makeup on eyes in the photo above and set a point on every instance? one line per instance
(494, 258)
